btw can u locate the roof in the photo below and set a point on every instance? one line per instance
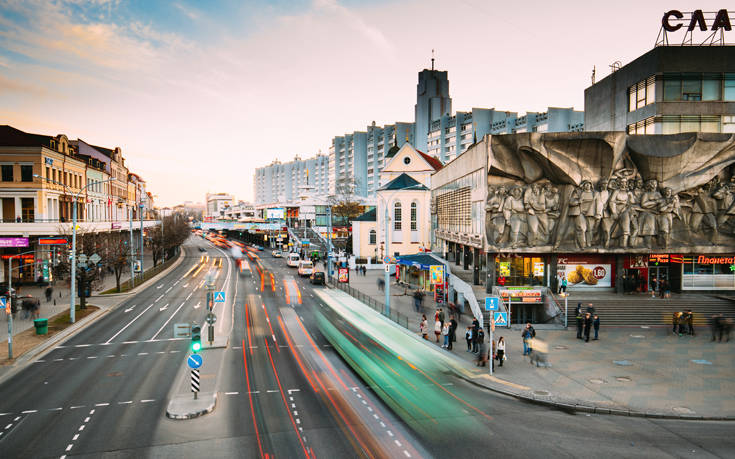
(369, 216)
(433, 162)
(105, 151)
(12, 137)
(403, 182)
(419, 260)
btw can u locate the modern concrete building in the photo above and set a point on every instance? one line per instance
(668, 90)
(282, 182)
(216, 204)
(348, 165)
(451, 135)
(380, 139)
(432, 102)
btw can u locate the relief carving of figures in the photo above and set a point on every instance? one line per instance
(551, 195)
(607, 188)
(514, 213)
(494, 219)
(668, 207)
(650, 200)
(620, 205)
(534, 201)
(583, 207)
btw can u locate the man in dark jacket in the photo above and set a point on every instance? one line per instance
(596, 324)
(452, 332)
(587, 326)
(580, 321)
(475, 330)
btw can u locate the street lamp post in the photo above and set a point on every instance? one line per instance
(75, 196)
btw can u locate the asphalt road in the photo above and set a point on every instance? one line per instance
(283, 391)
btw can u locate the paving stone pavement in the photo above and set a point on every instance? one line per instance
(657, 373)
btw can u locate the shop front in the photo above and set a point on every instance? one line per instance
(586, 271)
(708, 272)
(521, 270)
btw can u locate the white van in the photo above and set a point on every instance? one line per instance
(293, 260)
(306, 268)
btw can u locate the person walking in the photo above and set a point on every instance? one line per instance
(424, 327)
(452, 331)
(501, 351)
(437, 329)
(715, 325)
(445, 334)
(468, 337)
(587, 326)
(417, 300)
(690, 322)
(526, 336)
(49, 293)
(675, 322)
(580, 321)
(441, 315)
(563, 286)
(482, 350)
(596, 325)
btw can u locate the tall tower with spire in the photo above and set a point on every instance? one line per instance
(432, 102)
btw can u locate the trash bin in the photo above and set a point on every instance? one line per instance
(41, 326)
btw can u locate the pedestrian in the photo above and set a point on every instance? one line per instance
(417, 300)
(682, 323)
(445, 334)
(475, 332)
(381, 284)
(533, 335)
(49, 292)
(452, 331)
(424, 327)
(580, 320)
(563, 287)
(492, 353)
(596, 325)
(441, 315)
(501, 351)
(468, 337)
(482, 349)
(437, 329)
(725, 328)
(587, 326)
(690, 322)
(526, 336)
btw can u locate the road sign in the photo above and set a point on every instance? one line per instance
(491, 303)
(219, 297)
(386, 260)
(387, 268)
(82, 258)
(5, 305)
(195, 361)
(500, 318)
(211, 318)
(95, 258)
(437, 274)
(182, 330)
(195, 381)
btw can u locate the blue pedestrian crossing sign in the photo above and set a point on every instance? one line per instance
(500, 318)
(219, 297)
(492, 303)
(195, 361)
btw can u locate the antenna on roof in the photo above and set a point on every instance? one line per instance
(593, 74)
(432, 59)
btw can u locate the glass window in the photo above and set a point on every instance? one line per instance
(689, 124)
(7, 172)
(672, 90)
(397, 216)
(373, 237)
(728, 124)
(631, 99)
(414, 216)
(691, 89)
(711, 89)
(650, 91)
(26, 173)
(729, 87)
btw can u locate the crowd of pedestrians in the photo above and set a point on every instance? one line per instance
(721, 326)
(683, 323)
(586, 323)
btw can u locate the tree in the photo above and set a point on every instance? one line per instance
(175, 231)
(118, 255)
(344, 203)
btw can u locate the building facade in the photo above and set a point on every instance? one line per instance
(380, 139)
(432, 103)
(348, 165)
(217, 204)
(282, 182)
(668, 90)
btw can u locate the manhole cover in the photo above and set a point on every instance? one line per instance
(683, 410)
(623, 378)
(624, 363)
(115, 373)
(561, 347)
(702, 362)
(597, 381)
(540, 392)
(637, 336)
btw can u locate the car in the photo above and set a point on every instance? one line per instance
(259, 247)
(277, 254)
(293, 260)
(202, 249)
(306, 268)
(317, 277)
(245, 270)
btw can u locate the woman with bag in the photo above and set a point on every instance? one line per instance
(437, 329)
(424, 327)
(501, 351)
(445, 333)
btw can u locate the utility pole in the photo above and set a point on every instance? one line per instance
(387, 265)
(132, 252)
(141, 236)
(329, 243)
(73, 292)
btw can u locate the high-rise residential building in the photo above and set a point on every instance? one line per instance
(348, 164)
(380, 139)
(216, 205)
(282, 182)
(668, 90)
(451, 135)
(432, 102)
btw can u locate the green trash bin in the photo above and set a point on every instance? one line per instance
(41, 326)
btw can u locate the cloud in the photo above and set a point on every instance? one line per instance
(188, 12)
(9, 85)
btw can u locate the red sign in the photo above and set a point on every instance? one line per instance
(28, 256)
(705, 260)
(658, 258)
(52, 241)
(343, 274)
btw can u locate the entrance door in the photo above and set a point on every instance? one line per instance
(657, 274)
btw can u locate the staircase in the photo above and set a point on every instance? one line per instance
(636, 310)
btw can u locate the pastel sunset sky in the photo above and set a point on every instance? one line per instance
(200, 93)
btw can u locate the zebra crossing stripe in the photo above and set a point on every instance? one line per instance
(195, 380)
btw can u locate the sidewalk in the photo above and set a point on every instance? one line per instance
(630, 371)
(61, 299)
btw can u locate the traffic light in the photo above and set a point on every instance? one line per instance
(196, 338)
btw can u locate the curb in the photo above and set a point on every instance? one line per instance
(585, 407)
(207, 406)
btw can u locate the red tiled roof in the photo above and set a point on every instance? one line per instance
(433, 162)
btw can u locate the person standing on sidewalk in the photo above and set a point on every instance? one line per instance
(452, 331)
(424, 327)
(49, 293)
(468, 337)
(482, 349)
(445, 334)
(475, 332)
(501, 351)
(526, 336)
(690, 322)
(437, 329)
(596, 325)
(580, 320)
(441, 315)
(587, 326)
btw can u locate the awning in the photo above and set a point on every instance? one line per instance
(419, 261)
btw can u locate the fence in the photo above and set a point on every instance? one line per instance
(149, 273)
(378, 306)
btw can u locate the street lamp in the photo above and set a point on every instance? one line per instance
(75, 197)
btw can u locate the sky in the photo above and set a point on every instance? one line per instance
(200, 93)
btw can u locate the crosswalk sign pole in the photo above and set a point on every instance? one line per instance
(492, 329)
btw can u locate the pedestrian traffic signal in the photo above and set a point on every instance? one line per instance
(196, 338)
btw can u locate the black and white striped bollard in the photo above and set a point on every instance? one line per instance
(195, 382)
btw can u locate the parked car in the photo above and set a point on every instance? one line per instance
(306, 268)
(317, 277)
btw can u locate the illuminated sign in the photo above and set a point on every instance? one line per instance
(658, 258)
(275, 214)
(705, 260)
(52, 241)
(674, 20)
(29, 256)
(13, 242)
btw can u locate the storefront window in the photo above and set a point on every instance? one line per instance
(517, 271)
(715, 272)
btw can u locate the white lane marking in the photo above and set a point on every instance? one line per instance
(87, 419)
(295, 413)
(158, 299)
(189, 295)
(177, 282)
(125, 403)
(82, 345)
(185, 285)
(74, 438)
(92, 357)
(376, 416)
(39, 361)
(168, 289)
(398, 443)
(68, 447)
(169, 319)
(29, 411)
(271, 391)
(160, 286)
(131, 342)
(293, 390)
(55, 409)
(92, 411)
(231, 393)
(142, 353)
(147, 400)
(130, 308)
(111, 355)
(101, 404)
(197, 305)
(406, 453)
(129, 324)
(81, 427)
(8, 426)
(382, 424)
(164, 307)
(58, 360)
(75, 407)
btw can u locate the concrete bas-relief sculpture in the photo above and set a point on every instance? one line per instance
(610, 192)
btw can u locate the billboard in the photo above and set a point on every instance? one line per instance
(13, 242)
(343, 274)
(278, 213)
(585, 274)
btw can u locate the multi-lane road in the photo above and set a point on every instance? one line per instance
(282, 389)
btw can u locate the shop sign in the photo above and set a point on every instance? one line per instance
(13, 242)
(26, 257)
(656, 258)
(674, 20)
(521, 295)
(538, 268)
(638, 261)
(437, 274)
(586, 274)
(705, 260)
(343, 274)
(504, 268)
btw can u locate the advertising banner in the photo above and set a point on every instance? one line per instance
(13, 242)
(437, 274)
(275, 214)
(343, 275)
(581, 273)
